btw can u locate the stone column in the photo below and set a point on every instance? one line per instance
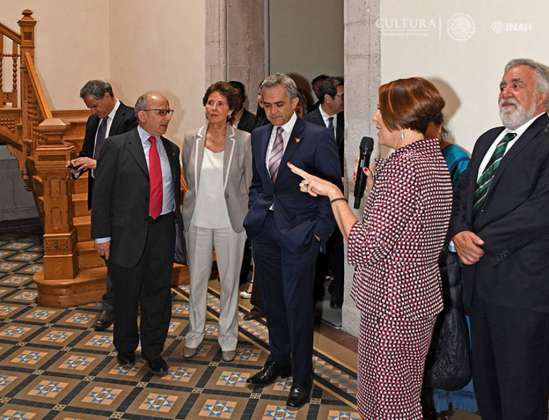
(246, 45)
(236, 44)
(362, 77)
(216, 41)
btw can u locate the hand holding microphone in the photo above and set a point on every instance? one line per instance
(366, 148)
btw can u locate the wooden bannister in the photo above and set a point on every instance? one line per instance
(37, 140)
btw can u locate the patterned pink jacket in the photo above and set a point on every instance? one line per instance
(395, 249)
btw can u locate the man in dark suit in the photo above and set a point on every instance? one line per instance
(242, 118)
(330, 114)
(109, 117)
(134, 208)
(286, 229)
(501, 232)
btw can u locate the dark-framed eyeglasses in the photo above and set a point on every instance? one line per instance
(162, 112)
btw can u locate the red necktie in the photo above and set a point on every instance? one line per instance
(155, 180)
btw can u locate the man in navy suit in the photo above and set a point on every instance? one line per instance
(286, 229)
(330, 114)
(500, 229)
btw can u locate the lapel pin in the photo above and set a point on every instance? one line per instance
(297, 139)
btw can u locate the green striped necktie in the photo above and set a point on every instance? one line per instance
(484, 181)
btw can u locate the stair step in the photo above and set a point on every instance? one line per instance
(80, 204)
(88, 256)
(83, 227)
(80, 185)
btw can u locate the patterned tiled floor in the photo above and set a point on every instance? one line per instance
(53, 365)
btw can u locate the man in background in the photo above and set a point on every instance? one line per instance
(109, 117)
(330, 114)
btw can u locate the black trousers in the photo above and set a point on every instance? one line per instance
(510, 349)
(332, 260)
(107, 302)
(286, 282)
(146, 285)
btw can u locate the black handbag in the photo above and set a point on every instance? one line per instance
(448, 364)
(180, 253)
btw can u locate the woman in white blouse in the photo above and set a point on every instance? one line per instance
(217, 163)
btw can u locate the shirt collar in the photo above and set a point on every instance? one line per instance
(324, 114)
(289, 126)
(113, 112)
(520, 130)
(144, 135)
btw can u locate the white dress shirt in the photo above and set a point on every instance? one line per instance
(326, 117)
(288, 128)
(210, 210)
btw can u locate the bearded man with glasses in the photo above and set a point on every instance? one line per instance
(501, 232)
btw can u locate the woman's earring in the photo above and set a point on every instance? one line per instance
(402, 135)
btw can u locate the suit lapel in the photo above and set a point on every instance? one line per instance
(116, 121)
(523, 141)
(198, 155)
(228, 153)
(173, 158)
(136, 149)
(263, 147)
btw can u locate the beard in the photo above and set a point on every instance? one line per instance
(516, 115)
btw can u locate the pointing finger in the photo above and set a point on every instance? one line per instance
(298, 171)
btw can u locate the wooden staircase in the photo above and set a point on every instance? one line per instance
(43, 140)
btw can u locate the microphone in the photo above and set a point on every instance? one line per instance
(366, 147)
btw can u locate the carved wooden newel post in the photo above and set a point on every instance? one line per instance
(60, 253)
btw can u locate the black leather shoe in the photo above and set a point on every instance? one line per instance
(157, 366)
(126, 360)
(298, 396)
(268, 375)
(104, 320)
(255, 313)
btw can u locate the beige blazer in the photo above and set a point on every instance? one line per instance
(237, 172)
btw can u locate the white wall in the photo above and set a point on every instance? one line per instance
(306, 37)
(468, 71)
(137, 45)
(72, 44)
(160, 45)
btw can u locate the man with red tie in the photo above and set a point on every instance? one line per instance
(135, 205)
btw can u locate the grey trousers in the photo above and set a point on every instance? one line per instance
(229, 249)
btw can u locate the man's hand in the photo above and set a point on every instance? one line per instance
(103, 249)
(469, 247)
(83, 163)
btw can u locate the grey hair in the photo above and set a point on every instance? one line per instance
(96, 88)
(280, 79)
(141, 104)
(540, 70)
